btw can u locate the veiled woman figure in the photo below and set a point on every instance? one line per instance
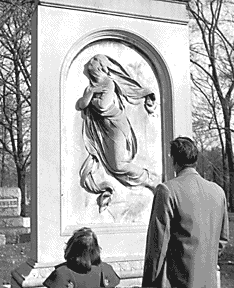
(108, 135)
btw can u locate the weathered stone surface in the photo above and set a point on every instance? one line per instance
(10, 201)
(13, 234)
(2, 240)
(24, 238)
(14, 221)
(15, 229)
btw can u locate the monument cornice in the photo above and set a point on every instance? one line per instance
(168, 11)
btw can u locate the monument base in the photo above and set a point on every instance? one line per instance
(31, 274)
(15, 229)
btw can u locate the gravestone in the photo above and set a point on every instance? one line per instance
(13, 227)
(10, 201)
(146, 40)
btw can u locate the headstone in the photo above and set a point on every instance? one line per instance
(10, 201)
(149, 41)
(12, 225)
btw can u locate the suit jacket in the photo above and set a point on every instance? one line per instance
(188, 224)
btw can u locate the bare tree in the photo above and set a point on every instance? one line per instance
(15, 86)
(212, 61)
(207, 121)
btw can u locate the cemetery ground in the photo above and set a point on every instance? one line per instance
(12, 255)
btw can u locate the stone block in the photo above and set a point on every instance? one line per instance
(2, 239)
(24, 238)
(14, 221)
(10, 201)
(26, 222)
(13, 234)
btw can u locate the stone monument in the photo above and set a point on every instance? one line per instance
(94, 173)
(10, 199)
(13, 227)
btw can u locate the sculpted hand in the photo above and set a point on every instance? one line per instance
(150, 103)
(96, 89)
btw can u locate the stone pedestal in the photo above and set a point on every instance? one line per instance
(12, 225)
(151, 36)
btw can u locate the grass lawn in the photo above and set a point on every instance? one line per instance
(12, 255)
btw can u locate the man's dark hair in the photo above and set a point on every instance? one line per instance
(82, 250)
(184, 152)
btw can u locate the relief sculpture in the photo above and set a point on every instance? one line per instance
(108, 134)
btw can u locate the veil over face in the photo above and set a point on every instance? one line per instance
(130, 89)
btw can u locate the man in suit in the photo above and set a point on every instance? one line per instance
(188, 226)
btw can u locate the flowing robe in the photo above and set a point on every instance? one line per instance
(108, 135)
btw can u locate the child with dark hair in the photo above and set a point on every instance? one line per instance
(83, 266)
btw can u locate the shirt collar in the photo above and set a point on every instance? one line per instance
(187, 170)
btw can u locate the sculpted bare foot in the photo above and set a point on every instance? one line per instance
(104, 200)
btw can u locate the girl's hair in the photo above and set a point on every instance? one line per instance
(82, 250)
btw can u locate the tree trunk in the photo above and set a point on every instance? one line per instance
(19, 120)
(225, 176)
(231, 169)
(21, 173)
(3, 159)
(229, 152)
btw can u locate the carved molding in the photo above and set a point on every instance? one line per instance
(161, 71)
(28, 276)
(128, 269)
(171, 11)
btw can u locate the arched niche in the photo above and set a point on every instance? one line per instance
(130, 50)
